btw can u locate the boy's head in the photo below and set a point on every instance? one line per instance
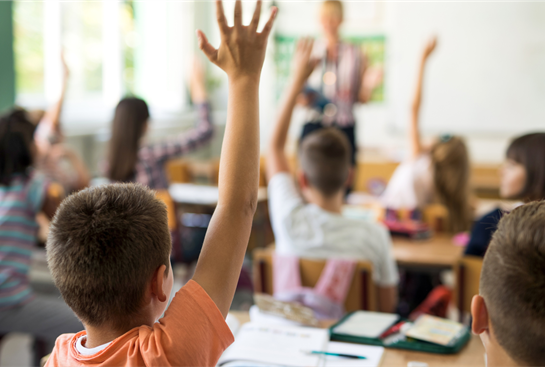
(509, 313)
(324, 158)
(108, 250)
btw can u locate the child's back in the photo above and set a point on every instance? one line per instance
(309, 223)
(307, 230)
(20, 201)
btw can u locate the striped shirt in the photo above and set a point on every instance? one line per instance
(344, 91)
(19, 204)
(152, 158)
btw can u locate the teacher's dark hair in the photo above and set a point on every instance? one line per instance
(128, 127)
(529, 150)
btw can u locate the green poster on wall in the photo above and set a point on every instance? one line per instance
(372, 46)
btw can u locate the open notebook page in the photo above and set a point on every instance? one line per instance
(276, 345)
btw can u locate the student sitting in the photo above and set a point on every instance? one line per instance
(109, 246)
(54, 159)
(132, 160)
(522, 178)
(436, 174)
(23, 194)
(310, 224)
(509, 312)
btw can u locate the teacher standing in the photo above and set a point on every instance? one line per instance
(340, 77)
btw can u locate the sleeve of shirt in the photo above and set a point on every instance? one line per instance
(482, 232)
(193, 331)
(387, 274)
(283, 199)
(185, 142)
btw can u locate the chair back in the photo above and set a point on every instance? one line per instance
(468, 275)
(164, 196)
(362, 294)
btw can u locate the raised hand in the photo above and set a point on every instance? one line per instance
(303, 64)
(65, 69)
(430, 46)
(242, 49)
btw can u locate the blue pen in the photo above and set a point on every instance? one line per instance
(338, 355)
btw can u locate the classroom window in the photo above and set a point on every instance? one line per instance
(113, 49)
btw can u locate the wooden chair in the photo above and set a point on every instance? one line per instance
(362, 294)
(437, 217)
(468, 274)
(164, 196)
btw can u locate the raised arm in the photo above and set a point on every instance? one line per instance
(240, 55)
(191, 139)
(53, 114)
(414, 133)
(302, 68)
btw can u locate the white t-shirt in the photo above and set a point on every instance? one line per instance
(411, 185)
(84, 351)
(306, 230)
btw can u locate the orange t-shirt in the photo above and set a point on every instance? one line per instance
(193, 332)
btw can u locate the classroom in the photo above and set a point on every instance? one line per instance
(272, 183)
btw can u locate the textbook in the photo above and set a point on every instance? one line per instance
(258, 344)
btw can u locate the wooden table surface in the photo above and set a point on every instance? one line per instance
(472, 355)
(438, 251)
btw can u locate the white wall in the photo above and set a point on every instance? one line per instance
(486, 80)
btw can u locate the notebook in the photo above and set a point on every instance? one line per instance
(366, 324)
(436, 330)
(276, 345)
(259, 344)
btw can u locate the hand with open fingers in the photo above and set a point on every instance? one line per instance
(242, 49)
(303, 63)
(430, 46)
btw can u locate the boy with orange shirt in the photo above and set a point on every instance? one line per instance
(509, 313)
(109, 246)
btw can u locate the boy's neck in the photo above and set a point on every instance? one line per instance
(496, 356)
(331, 204)
(97, 336)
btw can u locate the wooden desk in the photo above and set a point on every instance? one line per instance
(472, 354)
(436, 252)
(203, 199)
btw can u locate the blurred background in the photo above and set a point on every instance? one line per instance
(487, 81)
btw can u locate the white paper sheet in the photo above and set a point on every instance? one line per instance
(276, 345)
(366, 324)
(373, 354)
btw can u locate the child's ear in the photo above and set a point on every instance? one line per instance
(479, 312)
(302, 179)
(157, 283)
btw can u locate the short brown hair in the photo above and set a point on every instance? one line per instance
(103, 247)
(513, 283)
(324, 156)
(529, 150)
